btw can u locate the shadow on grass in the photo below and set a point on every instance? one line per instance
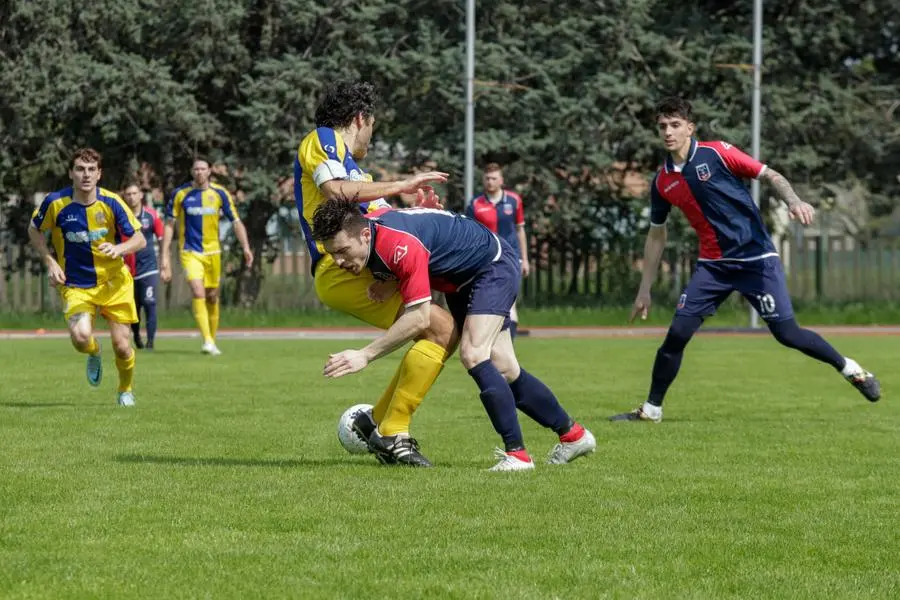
(38, 404)
(213, 461)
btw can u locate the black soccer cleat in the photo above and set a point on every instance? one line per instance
(867, 384)
(364, 426)
(396, 449)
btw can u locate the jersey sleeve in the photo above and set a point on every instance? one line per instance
(173, 206)
(157, 223)
(126, 222)
(321, 154)
(408, 260)
(470, 209)
(738, 162)
(659, 206)
(228, 206)
(44, 215)
(520, 211)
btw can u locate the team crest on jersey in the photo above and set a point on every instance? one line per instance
(507, 210)
(703, 172)
(399, 253)
(100, 218)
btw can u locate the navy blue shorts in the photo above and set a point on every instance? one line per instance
(145, 290)
(492, 292)
(761, 282)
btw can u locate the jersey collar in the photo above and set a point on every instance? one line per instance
(670, 164)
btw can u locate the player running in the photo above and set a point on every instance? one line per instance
(143, 265)
(196, 207)
(425, 249)
(325, 167)
(86, 225)
(502, 211)
(703, 179)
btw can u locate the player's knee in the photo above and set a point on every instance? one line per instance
(785, 331)
(122, 346)
(441, 329)
(472, 355)
(80, 330)
(680, 333)
(507, 364)
(212, 295)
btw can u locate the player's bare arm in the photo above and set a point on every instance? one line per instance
(653, 251)
(409, 326)
(165, 267)
(365, 191)
(54, 271)
(241, 233)
(798, 209)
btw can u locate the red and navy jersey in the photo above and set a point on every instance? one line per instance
(710, 190)
(145, 259)
(425, 249)
(502, 218)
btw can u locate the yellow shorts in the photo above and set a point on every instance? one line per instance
(207, 267)
(114, 299)
(348, 293)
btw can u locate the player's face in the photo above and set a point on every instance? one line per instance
(350, 251)
(134, 197)
(363, 137)
(85, 175)
(200, 173)
(674, 131)
(493, 181)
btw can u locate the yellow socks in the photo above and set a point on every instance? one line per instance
(417, 373)
(92, 348)
(125, 367)
(213, 309)
(198, 306)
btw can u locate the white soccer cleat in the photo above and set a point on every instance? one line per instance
(510, 462)
(211, 349)
(126, 399)
(565, 452)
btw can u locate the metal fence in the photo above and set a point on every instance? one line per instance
(569, 272)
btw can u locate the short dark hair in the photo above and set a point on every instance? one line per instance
(675, 106)
(201, 157)
(337, 214)
(88, 155)
(493, 168)
(343, 100)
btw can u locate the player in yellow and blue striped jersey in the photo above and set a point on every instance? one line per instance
(87, 226)
(196, 207)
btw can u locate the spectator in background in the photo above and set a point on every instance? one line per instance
(502, 212)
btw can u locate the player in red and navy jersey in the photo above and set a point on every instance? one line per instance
(705, 180)
(502, 211)
(144, 266)
(424, 249)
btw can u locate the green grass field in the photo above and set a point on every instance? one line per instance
(769, 478)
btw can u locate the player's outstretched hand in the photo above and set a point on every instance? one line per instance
(344, 363)
(427, 198)
(381, 291)
(110, 250)
(641, 306)
(803, 212)
(417, 181)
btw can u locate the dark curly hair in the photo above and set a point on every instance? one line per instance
(675, 106)
(337, 214)
(344, 100)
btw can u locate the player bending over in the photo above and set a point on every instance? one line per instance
(425, 249)
(703, 179)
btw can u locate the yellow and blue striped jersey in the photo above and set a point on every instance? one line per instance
(323, 156)
(76, 231)
(197, 213)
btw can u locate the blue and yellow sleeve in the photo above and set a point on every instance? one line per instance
(173, 207)
(126, 222)
(44, 216)
(321, 154)
(228, 207)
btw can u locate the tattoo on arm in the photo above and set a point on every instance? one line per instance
(782, 187)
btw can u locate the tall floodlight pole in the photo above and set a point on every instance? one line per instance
(757, 77)
(470, 98)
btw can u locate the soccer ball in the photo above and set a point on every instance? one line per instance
(350, 440)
